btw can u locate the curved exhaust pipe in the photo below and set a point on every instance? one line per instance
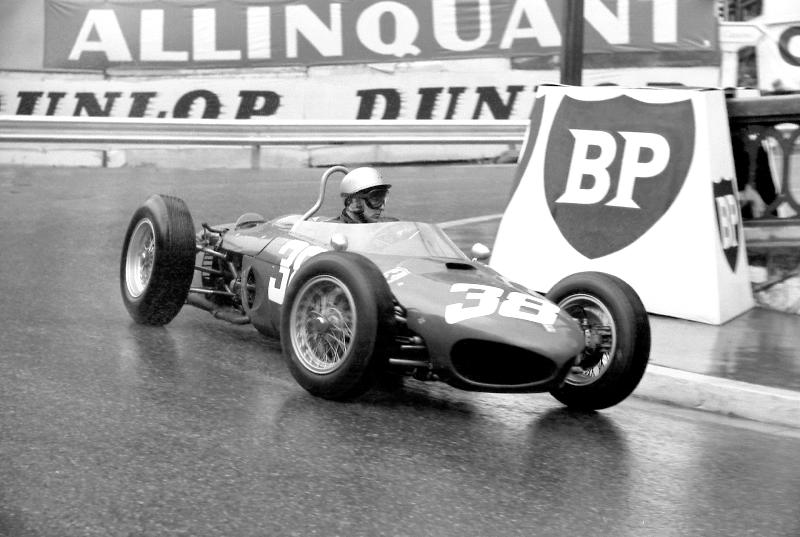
(219, 313)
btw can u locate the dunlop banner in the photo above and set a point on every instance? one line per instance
(342, 92)
(638, 183)
(96, 34)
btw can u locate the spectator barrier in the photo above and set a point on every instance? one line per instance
(765, 133)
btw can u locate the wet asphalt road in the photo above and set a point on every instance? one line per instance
(112, 429)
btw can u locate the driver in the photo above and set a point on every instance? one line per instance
(364, 193)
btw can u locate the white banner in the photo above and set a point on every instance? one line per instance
(152, 34)
(778, 54)
(465, 89)
(763, 52)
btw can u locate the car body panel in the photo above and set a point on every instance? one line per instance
(447, 305)
(449, 300)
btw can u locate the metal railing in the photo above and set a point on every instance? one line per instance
(38, 129)
(765, 134)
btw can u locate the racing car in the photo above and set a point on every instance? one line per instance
(351, 303)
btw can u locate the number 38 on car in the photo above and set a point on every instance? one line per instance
(353, 302)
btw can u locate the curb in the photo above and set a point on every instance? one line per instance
(722, 396)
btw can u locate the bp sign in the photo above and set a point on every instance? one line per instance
(638, 183)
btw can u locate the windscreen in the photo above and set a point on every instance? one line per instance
(409, 239)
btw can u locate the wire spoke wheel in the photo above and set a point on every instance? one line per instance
(600, 332)
(140, 258)
(323, 321)
(337, 324)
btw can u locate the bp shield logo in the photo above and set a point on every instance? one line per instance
(729, 219)
(614, 167)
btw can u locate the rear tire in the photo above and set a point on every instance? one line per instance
(336, 324)
(157, 261)
(618, 350)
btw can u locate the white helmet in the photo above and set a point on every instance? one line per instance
(361, 179)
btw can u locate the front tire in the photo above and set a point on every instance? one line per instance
(157, 262)
(336, 325)
(618, 339)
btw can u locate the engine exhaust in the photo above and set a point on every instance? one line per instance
(219, 313)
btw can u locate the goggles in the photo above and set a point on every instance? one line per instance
(375, 199)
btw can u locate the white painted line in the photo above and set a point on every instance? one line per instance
(473, 220)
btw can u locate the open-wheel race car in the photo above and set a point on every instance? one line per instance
(352, 302)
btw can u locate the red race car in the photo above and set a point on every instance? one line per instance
(350, 302)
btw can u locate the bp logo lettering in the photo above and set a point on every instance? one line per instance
(614, 167)
(729, 219)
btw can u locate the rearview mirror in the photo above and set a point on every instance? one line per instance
(338, 242)
(480, 252)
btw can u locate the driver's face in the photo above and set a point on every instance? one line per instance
(369, 205)
(370, 215)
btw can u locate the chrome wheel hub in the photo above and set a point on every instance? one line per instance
(600, 333)
(140, 258)
(322, 324)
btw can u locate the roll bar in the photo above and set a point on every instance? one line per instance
(330, 171)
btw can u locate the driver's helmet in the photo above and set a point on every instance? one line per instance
(366, 183)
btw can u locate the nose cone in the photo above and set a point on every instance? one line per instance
(475, 303)
(571, 334)
(559, 340)
(508, 354)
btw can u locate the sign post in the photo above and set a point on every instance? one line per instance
(572, 49)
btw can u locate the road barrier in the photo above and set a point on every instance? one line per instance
(759, 126)
(105, 132)
(57, 130)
